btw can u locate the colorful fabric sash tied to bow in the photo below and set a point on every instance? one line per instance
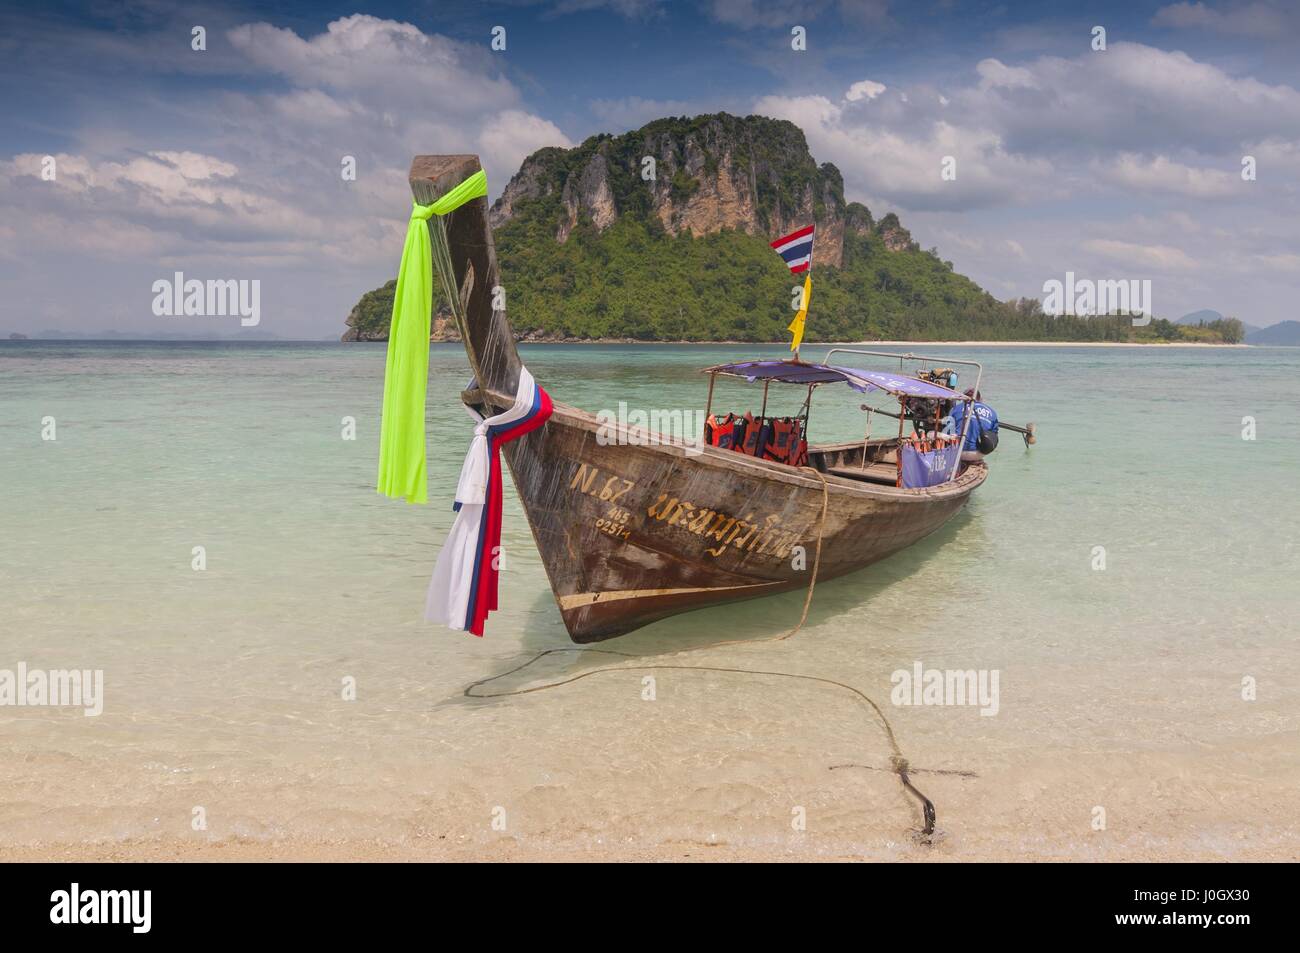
(406, 378)
(463, 589)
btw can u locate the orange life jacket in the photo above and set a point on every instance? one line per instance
(721, 433)
(755, 435)
(783, 444)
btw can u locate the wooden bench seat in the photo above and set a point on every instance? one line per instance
(885, 473)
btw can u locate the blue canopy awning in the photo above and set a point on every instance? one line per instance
(799, 372)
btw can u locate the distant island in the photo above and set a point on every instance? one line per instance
(1282, 334)
(590, 250)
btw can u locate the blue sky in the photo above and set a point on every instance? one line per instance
(224, 163)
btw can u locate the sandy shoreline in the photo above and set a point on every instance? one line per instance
(288, 851)
(510, 851)
(308, 851)
(1212, 802)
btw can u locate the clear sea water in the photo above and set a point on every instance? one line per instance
(1120, 689)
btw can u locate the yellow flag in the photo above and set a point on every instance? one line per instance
(796, 326)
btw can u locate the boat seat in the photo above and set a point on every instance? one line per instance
(886, 473)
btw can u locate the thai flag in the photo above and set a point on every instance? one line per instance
(463, 589)
(796, 249)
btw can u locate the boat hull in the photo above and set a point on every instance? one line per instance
(632, 530)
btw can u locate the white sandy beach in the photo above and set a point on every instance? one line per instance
(1162, 806)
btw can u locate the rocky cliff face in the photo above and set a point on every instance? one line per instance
(661, 234)
(753, 175)
(894, 236)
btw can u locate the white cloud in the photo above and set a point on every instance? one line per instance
(513, 135)
(864, 89)
(1097, 163)
(364, 85)
(1274, 156)
(994, 74)
(397, 90)
(904, 165)
(258, 187)
(1162, 257)
(1161, 174)
(1187, 15)
(1131, 94)
(1136, 120)
(385, 64)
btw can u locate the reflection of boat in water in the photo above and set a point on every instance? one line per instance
(634, 527)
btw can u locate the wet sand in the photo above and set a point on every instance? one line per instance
(1160, 806)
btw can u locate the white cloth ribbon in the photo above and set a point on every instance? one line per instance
(478, 460)
(447, 602)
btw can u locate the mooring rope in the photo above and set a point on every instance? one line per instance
(898, 763)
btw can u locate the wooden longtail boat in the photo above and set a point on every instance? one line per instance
(634, 530)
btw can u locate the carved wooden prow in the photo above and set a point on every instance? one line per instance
(489, 341)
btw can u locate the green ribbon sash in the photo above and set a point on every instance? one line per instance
(406, 376)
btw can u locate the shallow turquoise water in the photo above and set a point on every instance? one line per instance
(223, 686)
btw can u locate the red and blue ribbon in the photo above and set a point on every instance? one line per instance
(464, 586)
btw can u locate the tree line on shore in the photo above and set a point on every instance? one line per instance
(633, 281)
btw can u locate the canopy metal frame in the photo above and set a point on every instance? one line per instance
(909, 356)
(713, 373)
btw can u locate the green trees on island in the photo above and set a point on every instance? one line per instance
(636, 280)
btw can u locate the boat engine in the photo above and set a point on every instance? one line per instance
(925, 411)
